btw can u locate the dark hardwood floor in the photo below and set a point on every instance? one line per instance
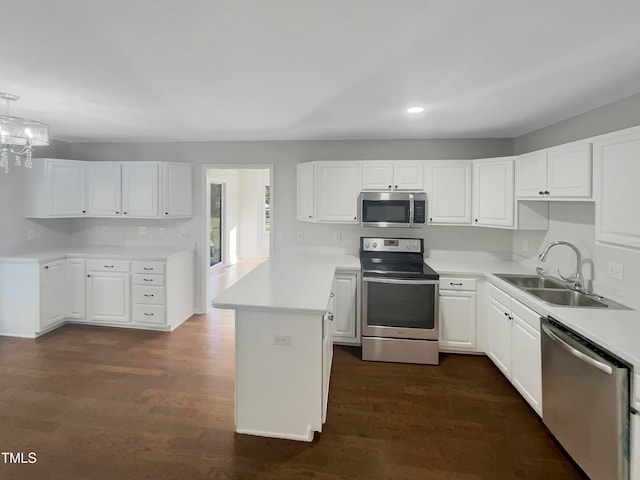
(106, 403)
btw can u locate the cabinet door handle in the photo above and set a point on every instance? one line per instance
(84, 211)
(546, 192)
(148, 279)
(506, 314)
(476, 220)
(540, 192)
(455, 284)
(88, 276)
(149, 295)
(117, 212)
(309, 216)
(108, 266)
(396, 187)
(148, 314)
(124, 213)
(389, 187)
(166, 213)
(148, 269)
(46, 267)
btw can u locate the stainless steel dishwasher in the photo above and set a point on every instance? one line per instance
(585, 401)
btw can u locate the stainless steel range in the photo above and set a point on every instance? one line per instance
(399, 302)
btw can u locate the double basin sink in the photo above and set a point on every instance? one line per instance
(556, 292)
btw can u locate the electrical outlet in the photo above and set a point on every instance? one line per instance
(525, 246)
(283, 340)
(142, 230)
(616, 270)
(337, 236)
(161, 232)
(459, 240)
(31, 234)
(300, 236)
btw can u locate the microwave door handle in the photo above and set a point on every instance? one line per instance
(411, 210)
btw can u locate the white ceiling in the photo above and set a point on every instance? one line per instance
(197, 70)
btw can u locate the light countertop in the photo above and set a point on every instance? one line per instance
(617, 331)
(295, 283)
(97, 251)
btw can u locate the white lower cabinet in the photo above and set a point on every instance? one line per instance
(108, 296)
(53, 307)
(149, 294)
(457, 314)
(76, 288)
(346, 326)
(513, 344)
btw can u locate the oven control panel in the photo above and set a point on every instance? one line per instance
(411, 245)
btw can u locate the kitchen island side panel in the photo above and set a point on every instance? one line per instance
(278, 374)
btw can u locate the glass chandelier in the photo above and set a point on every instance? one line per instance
(19, 135)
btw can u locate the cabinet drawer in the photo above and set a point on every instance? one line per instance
(153, 295)
(144, 279)
(148, 267)
(452, 283)
(107, 266)
(499, 296)
(153, 314)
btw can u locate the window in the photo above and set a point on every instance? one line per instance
(267, 208)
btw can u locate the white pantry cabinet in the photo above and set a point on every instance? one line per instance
(457, 314)
(55, 188)
(346, 326)
(53, 305)
(616, 174)
(449, 192)
(306, 205)
(493, 200)
(513, 344)
(338, 185)
(558, 173)
(108, 291)
(392, 175)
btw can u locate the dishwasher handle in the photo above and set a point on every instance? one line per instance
(586, 356)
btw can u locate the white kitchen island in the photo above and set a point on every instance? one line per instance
(284, 345)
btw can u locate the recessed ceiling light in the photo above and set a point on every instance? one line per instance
(415, 109)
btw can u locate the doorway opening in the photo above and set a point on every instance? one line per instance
(215, 224)
(239, 213)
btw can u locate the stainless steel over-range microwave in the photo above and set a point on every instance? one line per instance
(392, 209)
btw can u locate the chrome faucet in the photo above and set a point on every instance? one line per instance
(576, 279)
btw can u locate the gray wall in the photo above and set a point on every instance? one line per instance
(618, 115)
(284, 156)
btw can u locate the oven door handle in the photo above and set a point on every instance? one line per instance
(401, 281)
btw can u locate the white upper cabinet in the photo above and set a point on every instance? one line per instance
(393, 175)
(449, 191)
(55, 188)
(338, 185)
(176, 191)
(140, 189)
(306, 192)
(558, 173)
(104, 195)
(493, 199)
(616, 174)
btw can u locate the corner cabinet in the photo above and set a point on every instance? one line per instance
(493, 200)
(449, 192)
(557, 173)
(513, 344)
(616, 172)
(55, 188)
(338, 185)
(73, 188)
